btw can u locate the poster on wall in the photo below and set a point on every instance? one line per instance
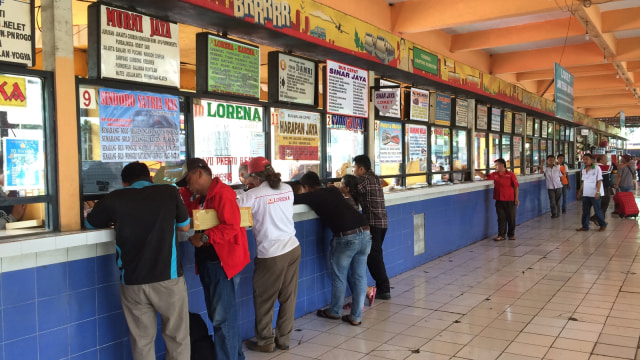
(390, 142)
(17, 37)
(347, 90)
(443, 109)
(23, 165)
(418, 139)
(536, 128)
(517, 145)
(130, 46)
(419, 109)
(518, 123)
(462, 112)
(226, 66)
(508, 122)
(292, 79)
(530, 122)
(495, 119)
(545, 129)
(481, 111)
(138, 126)
(387, 102)
(297, 135)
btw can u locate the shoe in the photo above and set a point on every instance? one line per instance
(555, 216)
(602, 228)
(582, 229)
(594, 220)
(383, 296)
(347, 319)
(283, 347)
(564, 211)
(324, 313)
(266, 348)
(499, 238)
(512, 237)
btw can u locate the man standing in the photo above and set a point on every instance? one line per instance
(566, 185)
(145, 218)
(373, 208)
(221, 253)
(505, 193)
(590, 192)
(552, 175)
(607, 186)
(350, 245)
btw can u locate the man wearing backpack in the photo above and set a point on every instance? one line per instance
(607, 185)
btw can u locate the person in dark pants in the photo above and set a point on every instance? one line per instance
(590, 191)
(146, 217)
(373, 208)
(505, 192)
(566, 185)
(552, 177)
(607, 185)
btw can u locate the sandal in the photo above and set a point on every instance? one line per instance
(347, 319)
(499, 238)
(347, 306)
(371, 295)
(324, 313)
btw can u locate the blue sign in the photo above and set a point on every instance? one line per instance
(139, 126)
(443, 109)
(23, 168)
(563, 93)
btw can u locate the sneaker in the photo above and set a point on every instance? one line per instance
(582, 229)
(602, 228)
(266, 348)
(282, 346)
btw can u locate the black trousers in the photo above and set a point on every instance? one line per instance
(506, 211)
(375, 260)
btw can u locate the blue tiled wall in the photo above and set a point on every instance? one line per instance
(72, 310)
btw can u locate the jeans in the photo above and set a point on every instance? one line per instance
(375, 260)
(349, 262)
(587, 203)
(565, 193)
(554, 200)
(220, 296)
(626, 188)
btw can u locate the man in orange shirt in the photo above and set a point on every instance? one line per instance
(566, 186)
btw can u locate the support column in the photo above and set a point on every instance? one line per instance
(57, 56)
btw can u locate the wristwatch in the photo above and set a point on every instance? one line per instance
(205, 239)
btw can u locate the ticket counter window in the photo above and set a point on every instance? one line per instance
(536, 156)
(506, 151)
(494, 147)
(388, 151)
(480, 151)
(295, 143)
(460, 156)
(24, 177)
(517, 155)
(345, 140)
(417, 141)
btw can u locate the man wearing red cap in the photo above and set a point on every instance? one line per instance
(221, 253)
(278, 255)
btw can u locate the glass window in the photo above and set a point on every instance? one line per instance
(388, 149)
(494, 147)
(23, 161)
(518, 123)
(517, 154)
(345, 140)
(440, 153)
(460, 150)
(543, 151)
(550, 148)
(506, 150)
(417, 140)
(480, 151)
(295, 143)
(550, 130)
(536, 156)
(528, 155)
(557, 137)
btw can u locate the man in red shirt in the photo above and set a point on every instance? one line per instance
(505, 193)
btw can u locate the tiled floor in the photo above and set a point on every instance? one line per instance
(554, 293)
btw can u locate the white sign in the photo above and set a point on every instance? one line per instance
(462, 112)
(16, 32)
(347, 90)
(137, 47)
(88, 98)
(419, 105)
(296, 80)
(482, 117)
(387, 102)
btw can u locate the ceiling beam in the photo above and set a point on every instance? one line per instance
(621, 20)
(541, 59)
(423, 15)
(577, 71)
(604, 101)
(613, 111)
(512, 35)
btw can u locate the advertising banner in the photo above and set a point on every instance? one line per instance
(495, 119)
(459, 74)
(419, 109)
(387, 101)
(462, 112)
(292, 79)
(443, 109)
(390, 142)
(13, 91)
(418, 140)
(517, 145)
(17, 33)
(139, 126)
(347, 90)
(23, 165)
(135, 47)
(482, 121)
(345, 122)
(563, 83)
(297, 135)
(425, 61)
(232, 67)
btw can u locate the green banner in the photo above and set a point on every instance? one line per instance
(425, 61)
(563, 93)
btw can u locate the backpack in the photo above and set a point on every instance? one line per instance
(607, 182)
(201, 342)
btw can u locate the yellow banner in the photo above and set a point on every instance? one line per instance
(13, 91)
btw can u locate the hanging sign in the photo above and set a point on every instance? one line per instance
(292, 79)
(297, 136)
(347, 90)
(419, 109)
(126, 45)
(495, 119)
(139, 126)
(387, 102)
(13, 91)
(462, 112)
(17, 40)
(563, 94)
(481, 111)
(443, 109)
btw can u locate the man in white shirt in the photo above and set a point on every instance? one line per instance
(552, 176)
(590, 191)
